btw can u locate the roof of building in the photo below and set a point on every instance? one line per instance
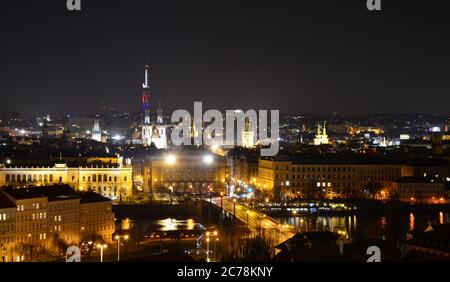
(53, 193)
(312, 247)
(91, 197)
(5, 202)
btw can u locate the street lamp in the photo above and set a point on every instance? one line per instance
(125, 237)
(101, 246)
(207, 246)
(215, 254)
(221, 201)
(234, 208)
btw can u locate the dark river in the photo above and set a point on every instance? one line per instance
(368, 225)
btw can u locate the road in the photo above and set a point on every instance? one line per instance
(257, 221)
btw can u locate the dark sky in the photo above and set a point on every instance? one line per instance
(298, 56)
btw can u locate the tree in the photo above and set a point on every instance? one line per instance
(58, 245)
(373, 188)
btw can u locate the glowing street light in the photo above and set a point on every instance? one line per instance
(171, 159)
(208, 159)
(101, 246)
(117, 237)
(207, 246)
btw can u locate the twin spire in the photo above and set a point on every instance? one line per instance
(324, 128)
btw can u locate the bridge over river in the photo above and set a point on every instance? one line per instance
(255, 220)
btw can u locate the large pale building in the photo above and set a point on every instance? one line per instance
(425, 190)
(289, 178)
(7, 228)
(41, 218)
(189, 170)
(113, 181)
(96, 217)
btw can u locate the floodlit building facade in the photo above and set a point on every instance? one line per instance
(40, 219)
(113, 181)
(188, 171)
(287, 178)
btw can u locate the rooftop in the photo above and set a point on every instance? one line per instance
(54, 193)
(5, 202)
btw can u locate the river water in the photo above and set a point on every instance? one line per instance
(368, 225)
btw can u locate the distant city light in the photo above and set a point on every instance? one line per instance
(404, 137)
(117, 137)
(436, 129)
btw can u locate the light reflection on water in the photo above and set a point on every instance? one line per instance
(171, 224)
(366, 225)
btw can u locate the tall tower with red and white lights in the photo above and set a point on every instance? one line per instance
(145, 104)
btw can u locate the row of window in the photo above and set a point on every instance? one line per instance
(5, 216)
(32, 238)
(98, 219)
(100, 178)
(34, 216)
(35, 206)
(51, 178)
(323, 169)
(31, 227)
(319, 184)
(7, 239)
(30, 178)
(7, 228)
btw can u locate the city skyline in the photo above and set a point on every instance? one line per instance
(295, 57)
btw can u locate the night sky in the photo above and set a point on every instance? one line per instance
(299, 56)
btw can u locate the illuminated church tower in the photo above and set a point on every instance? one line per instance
(96, 132)
(159, 137)
(321, 136)
(152, 133)
(248, 134)
(145, 104)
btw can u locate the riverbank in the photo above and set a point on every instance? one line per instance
(346, 207)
